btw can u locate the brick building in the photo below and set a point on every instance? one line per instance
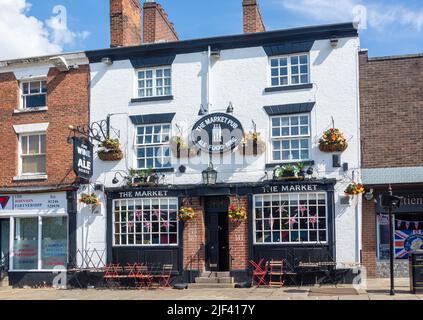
(391, 114)
(39, 98)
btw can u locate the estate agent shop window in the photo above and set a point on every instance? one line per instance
(39, 243)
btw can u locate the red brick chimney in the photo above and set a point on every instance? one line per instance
(156, 24)
(125, 23)
(253, 21)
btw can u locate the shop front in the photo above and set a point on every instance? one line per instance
(35, 237)
(408, 231)
(294, 221)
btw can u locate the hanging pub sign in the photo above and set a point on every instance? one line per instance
(82, 158)
(217, 132)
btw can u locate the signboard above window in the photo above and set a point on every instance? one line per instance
(82, 158)
(33, 203)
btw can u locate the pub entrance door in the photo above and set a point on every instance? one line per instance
(217, 233)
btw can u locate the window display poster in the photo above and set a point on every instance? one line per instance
(407, 241)
(54, 253)
(25, 255)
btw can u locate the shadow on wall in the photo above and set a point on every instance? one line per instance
(325, 50)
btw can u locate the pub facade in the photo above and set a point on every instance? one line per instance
(215, 149)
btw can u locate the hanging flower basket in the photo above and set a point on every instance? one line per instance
(110, 155)
(354, 189)
(333, 140)
(180, 148)
(110, 150)
(237, 213)
(252, 144)
(186, 213)
(289, 172)
(89, 199)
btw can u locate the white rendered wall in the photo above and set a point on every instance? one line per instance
(240, 76)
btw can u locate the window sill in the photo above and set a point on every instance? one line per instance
(273, 165)
(151, 99)
(289, 88)
(31, 177)
(29, 110)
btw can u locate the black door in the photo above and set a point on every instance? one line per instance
(217, 235)
(4, 245)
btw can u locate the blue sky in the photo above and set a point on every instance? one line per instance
(393, 27)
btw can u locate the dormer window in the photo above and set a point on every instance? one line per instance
(289, 70)
(34, 94)
(154, 82)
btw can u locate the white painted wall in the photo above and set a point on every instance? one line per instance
(239, 76)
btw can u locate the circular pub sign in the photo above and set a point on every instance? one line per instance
(217, 132)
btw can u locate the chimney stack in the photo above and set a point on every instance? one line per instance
(253, 21)
(125, 23)
(156, 24)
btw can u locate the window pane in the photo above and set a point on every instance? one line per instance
(43, 144)
(35, 101)
(275, 81)
(167, 72)
(43, 86)
(24, 144)
(295, 80)
(34, 164)
(283, 62)
(25, 244)
(294, 60)
(275, 72)
(159, 73)
(304, 59)
(274, 62)
(35, 87)
(34, 144)
(25, 88)
(54, 242)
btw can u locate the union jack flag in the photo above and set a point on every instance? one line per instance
(401, 237)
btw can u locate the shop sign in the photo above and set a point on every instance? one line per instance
(82, 158)
(288, 188)
(40, 202)
(217, 132)
(142, 194)
(407, 241)
(409, 203)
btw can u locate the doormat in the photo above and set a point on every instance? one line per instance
(332, 292)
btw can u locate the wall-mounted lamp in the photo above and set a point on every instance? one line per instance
(209, 175)
(334, 42)
(230, 108)
(115, 179)
(107, 61)
(369, 195)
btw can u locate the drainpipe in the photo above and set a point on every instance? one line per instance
(209, 78)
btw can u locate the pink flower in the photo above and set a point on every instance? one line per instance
(302, 208)
(148, 225)
(130, 225)
(312, 221)
(138, 214)
(167, 225)
(292, 221)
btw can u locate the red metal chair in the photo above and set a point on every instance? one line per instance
(166, 276)
(259, 273)
(143, 277)
(276, 270)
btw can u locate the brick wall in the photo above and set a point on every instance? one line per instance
(125, 23)
(194, 237)
(391, 98)
(156, 24)
(369, 238)
(253, 21)
(68, 104)
(238, 237)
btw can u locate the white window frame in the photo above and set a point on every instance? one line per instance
(20, 154)
(142, 232)
(154, 79)
(290, 243)
(22, 95)
(40, 236)
(290, 137)
(289, 73)
(152, 144)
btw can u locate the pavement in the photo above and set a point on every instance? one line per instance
(375, 289)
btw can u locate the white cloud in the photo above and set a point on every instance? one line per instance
(379, 15)
(22, 35)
